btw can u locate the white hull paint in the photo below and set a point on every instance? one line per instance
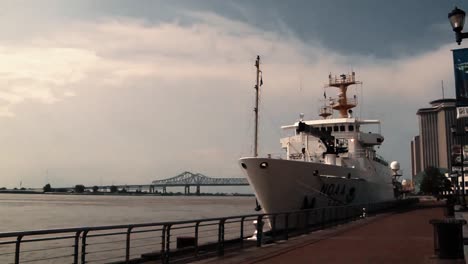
(289, 185)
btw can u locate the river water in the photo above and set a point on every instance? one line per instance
(21, 212)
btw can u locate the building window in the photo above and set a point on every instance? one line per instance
(342, 128)
(329, 129)
(350, 128)
(335, 128)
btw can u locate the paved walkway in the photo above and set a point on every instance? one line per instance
(400, 237)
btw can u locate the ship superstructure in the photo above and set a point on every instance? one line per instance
(329, 161)
(334, 141)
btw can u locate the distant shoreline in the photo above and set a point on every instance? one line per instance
(20, 191)
(121, 194)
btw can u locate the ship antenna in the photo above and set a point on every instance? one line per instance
(257, 86)
(361, 97)
(443, 92)
(343, 103)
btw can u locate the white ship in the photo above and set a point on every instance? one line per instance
(329, 161)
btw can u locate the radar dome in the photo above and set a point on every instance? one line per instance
(301, 116)
(395, 166)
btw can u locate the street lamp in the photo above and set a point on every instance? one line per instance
(455, 133)
(457, 20)
(456, 187)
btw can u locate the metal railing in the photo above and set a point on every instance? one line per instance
(178, 241)
(350, 101)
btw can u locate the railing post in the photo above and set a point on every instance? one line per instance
(314, 218)
(197, 224)
(338, 215)
(76, 247)
(18, 248)
(344, 213)
(163, 240)
(323, 217)
(221, 237)
(335, 215)
(286, 226)
(83, 247)
(127, 248)
(307, 221)
(242, 232)
(259, 230)
(167, 250)
(273, 227)
(332, 216)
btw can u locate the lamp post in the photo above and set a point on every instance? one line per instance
(456, 187)
(457, 20)
(455, 133)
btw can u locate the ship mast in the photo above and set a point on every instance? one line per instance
(343, 103)
(257, 85)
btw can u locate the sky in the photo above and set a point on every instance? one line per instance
(126, 92)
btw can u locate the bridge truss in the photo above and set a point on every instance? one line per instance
(196, 179)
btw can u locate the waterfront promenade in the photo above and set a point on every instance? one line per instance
(400, 232)
(397, 237)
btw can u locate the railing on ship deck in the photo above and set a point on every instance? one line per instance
(164, 241)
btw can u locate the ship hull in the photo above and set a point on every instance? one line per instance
(288, 185)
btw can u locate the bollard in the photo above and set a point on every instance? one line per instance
(448, 238)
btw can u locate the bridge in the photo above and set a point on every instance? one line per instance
(187, 179)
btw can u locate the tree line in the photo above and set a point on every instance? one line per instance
(434, 182)
(79, 188)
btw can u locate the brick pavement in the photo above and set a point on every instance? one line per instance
(397, 237)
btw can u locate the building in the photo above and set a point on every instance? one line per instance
(433, 145)
(415, 156)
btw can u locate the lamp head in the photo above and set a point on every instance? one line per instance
(457, 19)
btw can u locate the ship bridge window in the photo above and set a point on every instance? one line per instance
(342, 128)
(341, 142)
(350, 128)
(335, 128)
(342, 145)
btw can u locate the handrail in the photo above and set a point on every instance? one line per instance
(337, 101)
(84, 244)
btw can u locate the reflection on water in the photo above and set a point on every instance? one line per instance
(22, 212)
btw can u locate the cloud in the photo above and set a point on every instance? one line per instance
(39, 74)
(129, 101)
